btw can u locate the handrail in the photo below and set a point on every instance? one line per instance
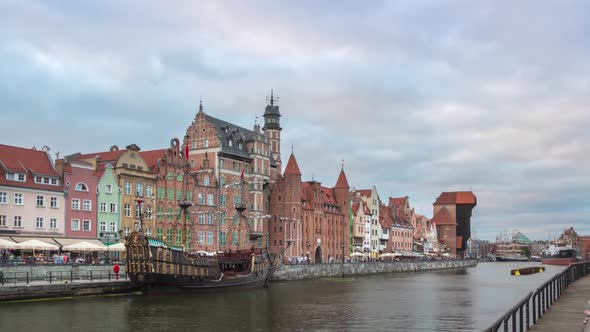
(541, 299)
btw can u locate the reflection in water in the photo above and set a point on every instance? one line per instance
(453, 300)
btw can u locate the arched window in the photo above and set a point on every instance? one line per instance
(81, 187)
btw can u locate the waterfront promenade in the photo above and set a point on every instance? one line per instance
(567, 313)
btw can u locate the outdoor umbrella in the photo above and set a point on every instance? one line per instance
(85, 246)
(35, 245)
(117, 247)
(5, 244)
(357, 254)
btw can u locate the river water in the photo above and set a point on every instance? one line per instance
(467, 299)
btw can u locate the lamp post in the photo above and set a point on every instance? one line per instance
(342, 246)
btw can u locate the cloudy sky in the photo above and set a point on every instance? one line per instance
(417, 97)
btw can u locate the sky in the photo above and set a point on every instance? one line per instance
(417, 97)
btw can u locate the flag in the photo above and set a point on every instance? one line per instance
(186, 150)
(242, 175)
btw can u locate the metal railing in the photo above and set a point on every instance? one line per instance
(534, 304)
(29, 278)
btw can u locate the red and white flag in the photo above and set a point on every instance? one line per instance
(186, 150)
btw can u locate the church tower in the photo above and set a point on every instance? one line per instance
(272, 129)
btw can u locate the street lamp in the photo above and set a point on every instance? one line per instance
(342, 246)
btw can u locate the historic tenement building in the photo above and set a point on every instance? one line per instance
(361, 225)
(452, 216)
(308, 219)
(242, 163)
(371, 198)
(31, 193)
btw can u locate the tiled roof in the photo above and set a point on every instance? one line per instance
(456, 197)
(328, 196)
(443, 217)
(292, 168)
(385, 217)
(225, 130)
(102, 156)
(397, 201)
(342, 181)
(364, 192)
(366, 208)
(27, 161)
(151, 157)
(355, 207)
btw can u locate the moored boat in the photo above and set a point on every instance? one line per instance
(559, 256)
(511, 259)
(527, 270)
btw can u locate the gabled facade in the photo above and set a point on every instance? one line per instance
(80, 198)
(108, 196)
(31, 193)
(362, 225)
(371, 198)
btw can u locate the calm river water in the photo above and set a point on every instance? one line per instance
(454, 300)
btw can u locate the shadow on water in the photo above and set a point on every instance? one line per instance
(450, 300)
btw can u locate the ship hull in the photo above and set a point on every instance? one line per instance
(558, 261)
(510, 259)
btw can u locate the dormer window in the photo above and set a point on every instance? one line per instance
(240, 146)
(229, 142)
(20, 177)
(81, 187)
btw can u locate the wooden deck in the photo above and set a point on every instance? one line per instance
(567, 314)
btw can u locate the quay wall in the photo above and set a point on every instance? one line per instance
(24, 292)
(313, 271)
(42, 270)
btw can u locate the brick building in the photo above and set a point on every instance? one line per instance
(308, 219)
(452, 216)
(240, 165)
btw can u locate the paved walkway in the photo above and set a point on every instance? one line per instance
(60, 282)
(567, 314)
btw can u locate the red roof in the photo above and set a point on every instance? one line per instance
(28, 161)
(456, 197)
(443, 217)
(385, 217)
(103, 156)
(292, 168)
(355, 207)
(328, 196)
(397, 201)
(342, 181)
(365, 192)
(151, 157)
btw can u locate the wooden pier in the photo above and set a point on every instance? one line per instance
(567, 314)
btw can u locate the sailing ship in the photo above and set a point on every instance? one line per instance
(512, 248)
(158, 266)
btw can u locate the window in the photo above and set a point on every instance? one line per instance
(139, 189)
(235, 239)
(75, 224)
(210, 238)
(148, 232)
(170, 194)
(209, 199)
(222, 181)
(39, 222)
(159, 233)
(170, 213)
(137, 211)
(222, 200)
(3, 220)
(188, 238)
(206, 180)
(179, 237)
(113, 226)
(221, 163)
(103, 207)
(40, 200)
(192, 163)
(148, 212)
(210, 218)
(75, 204)
(113, 208)
(127, 188)
(221, 238)
(81, 187)
(53, 202)
(127, 210)
(222, 218)
(16, 177)
(86, 225)
(103, 226)
(200, 238)
(240, 146)
(206, 143)
(201, 218)
(229, 142)
(3, 197)
(148, 191)
(53, 223)
(194, 144)
(86, 205)
(126, 231)
(19, 199)
(178, 194)
(201, 199)
(108, 189)
(169, 235)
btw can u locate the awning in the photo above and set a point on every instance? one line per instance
(36, 245)
(7, 244)
(48, 240)
(68, 241)
(85, 246)
(157, 243)
(117, 247)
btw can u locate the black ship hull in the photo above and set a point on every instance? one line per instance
(511, 259)
(158, 268)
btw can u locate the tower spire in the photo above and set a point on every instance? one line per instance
(200, 104)
(272, 99)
